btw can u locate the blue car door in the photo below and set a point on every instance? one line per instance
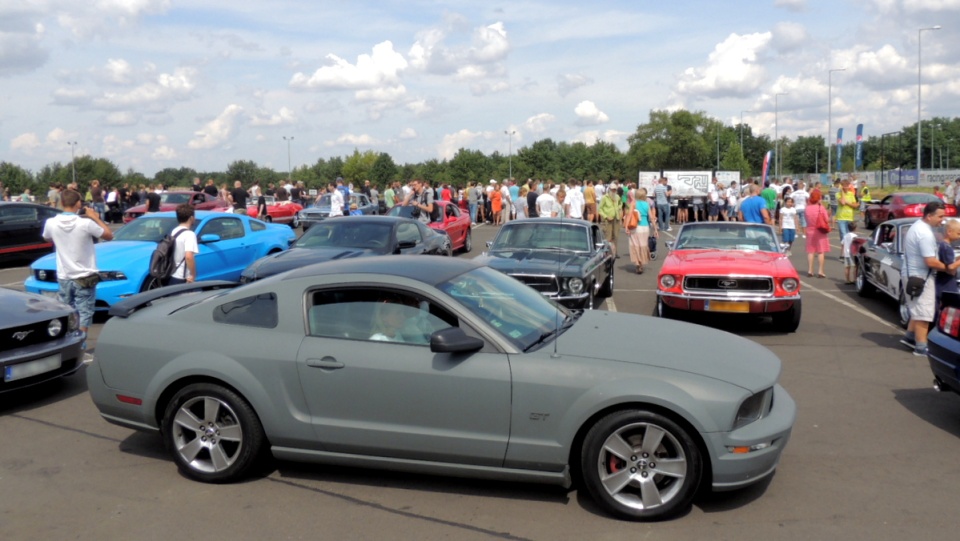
(225, 258)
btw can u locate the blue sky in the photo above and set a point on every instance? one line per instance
(168, 83)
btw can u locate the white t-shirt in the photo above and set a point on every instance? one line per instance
(800, 199)
(577, 202)
(919, 244)
(73, 238)
(847, 242)
(546, 205)
(732, 196)
(788, 217)
(186, 242)
(336, 203)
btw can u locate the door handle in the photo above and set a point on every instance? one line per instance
(327, 363)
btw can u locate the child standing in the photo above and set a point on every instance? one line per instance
(849, 268)
(788, 224)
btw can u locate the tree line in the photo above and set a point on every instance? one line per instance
(668, 140)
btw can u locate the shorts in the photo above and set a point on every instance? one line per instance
(922, 307)
(713, 209)
(610, 228)
(789, 235)
(683, 204)
(848, 262)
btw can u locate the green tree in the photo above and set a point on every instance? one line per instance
(175, 177)
(539, 159)
(357, 167)
(734, 160)
(468, 165)
(384, 171)
(243, 170)
(16, 179)
(801, 155)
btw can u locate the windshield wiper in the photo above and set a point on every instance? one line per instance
(547, 335)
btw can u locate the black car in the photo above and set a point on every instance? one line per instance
(352, 236)
(944, 345)
(21, 230)
(564, 259)
(39, 339)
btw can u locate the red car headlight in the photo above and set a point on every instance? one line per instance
(790, 284)
(668, 281)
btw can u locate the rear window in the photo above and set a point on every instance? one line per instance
(914, 198)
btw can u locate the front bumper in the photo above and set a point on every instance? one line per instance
(70, 351)
(736, 470)
(108, 293)
(745, 304)
(944, 358)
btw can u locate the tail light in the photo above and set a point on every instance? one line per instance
(913, 210)
(949, 322)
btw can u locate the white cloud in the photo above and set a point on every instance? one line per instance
(371, 71)
(452, 142)
(408, 133)
(789, 37)
(795, 6)
(164, 153)
(590, 137)
(482, 58)
(25, 142)
(117, 71)
(568, 82)
(732, 69)
(157, 94)
(539, 123)
(21, 41)
(285, 116)
(217, 131)
(103, 17)
(59, 136)
(588, 113)
(349, 139)
(121, 118)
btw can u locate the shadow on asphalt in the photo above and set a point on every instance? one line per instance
(941, 410)
(43, 394)
(719, 502)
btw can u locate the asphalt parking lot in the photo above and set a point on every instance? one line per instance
(873, 456)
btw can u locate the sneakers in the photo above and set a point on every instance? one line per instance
(920, 352)
(909, 342)
(669, 229)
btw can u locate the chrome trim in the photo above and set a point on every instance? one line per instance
(732, 293)
(764, 299)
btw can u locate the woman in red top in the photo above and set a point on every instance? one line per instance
(496, 203)
(818, 242)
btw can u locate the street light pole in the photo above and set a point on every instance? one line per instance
(741, 129)
(510, 134)
(776, 130)
(73, 159)
(919, 91)
(289, 172)
(830, 115)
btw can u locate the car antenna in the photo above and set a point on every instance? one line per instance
(556, 316)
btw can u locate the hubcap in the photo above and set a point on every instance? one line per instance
(207, 434)
(642, 466)
(860, 279)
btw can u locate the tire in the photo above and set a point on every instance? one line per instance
(468, 242)
(664, 311)
(295, 222)
(606, 291)
(151, 282)
(788, 321)
(904, 312)
(868, 223)
(864, 287)
(268, 219)
(446, 249)
(591, 301)
(640, 465)
(213, 434)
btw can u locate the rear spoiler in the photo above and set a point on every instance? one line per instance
(127, 307)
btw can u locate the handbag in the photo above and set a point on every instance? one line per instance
(823, 223)
(633, 220)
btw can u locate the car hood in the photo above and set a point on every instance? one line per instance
(21, 308)
(111, 256)
(533, 261)
(713, 353)
(316, 210)
(743, 262)
(299, 257)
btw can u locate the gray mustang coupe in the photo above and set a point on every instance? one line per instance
(441, 366)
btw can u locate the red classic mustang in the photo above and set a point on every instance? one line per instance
(170, 200)
(278, 212)
(453, 221)
(729, 267)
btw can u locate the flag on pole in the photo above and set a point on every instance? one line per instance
(839, 148)
(859, 149)
(766, 166)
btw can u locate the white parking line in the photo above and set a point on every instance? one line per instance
(611, 307)
(11, 284)
(859, 309)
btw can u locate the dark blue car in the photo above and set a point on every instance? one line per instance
(944, 346)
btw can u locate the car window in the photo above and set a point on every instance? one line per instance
(452, 211)
(227, 228)
(18, 214)
(174, 198)
(543, 236)
(146, 228)
(408, 232)
(257, 225)
(48, 213)
(375, 314)
(255, 311)
(720, 236)
(886, 236)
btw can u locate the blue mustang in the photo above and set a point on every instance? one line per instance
(228, 244)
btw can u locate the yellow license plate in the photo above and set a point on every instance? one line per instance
(727, 306)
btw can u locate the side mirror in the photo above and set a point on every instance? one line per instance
(208, 238)
(489, 243)
(454, 340)
(669, 244)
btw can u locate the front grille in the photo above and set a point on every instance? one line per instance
(45, 275)
(29, 335)
(544, 284)
(728, 284)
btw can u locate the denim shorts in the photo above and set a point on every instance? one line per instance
(82, 299)
(789, 235)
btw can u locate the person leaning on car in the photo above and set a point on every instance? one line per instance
(920, 260)
(73, 239)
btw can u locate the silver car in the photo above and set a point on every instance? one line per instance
(441, 366)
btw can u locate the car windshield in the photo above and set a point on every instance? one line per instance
(917, 198)
(146, 228)
(542, 236)
(346, 234)
(518, 312)
(324, 201)
(402, 211)
(175, 198)
(724, 236)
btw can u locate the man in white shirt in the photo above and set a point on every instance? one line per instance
(506, 203)
(185, 247)
(800, 197)
(73, 239)
(576, 201)
(336, 200)
(546, 204)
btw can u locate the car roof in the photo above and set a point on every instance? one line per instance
(426, 269)
(199, 214)
(25, 204)
(368, 218)
(558, 221)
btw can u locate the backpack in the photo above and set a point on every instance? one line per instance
(161, 261)
(435, 213)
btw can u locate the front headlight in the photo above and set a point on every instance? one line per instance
(109, 276)
(54, 327)
(754, 408)
(667, 281)
(790, 285)
(575, 285)
(42, 275)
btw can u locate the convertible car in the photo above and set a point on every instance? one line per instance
(228, 243)
(278, 212)
(901, 205)
(566, 260)
(321, 209)
(352, 236)
(454, 222)
(170, 200)
(39, 340)
(441, 366)
(21, 230)
(729, 268)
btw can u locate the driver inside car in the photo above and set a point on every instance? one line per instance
(400, 319)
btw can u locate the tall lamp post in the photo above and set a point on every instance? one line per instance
(830, 115)
(776, 130)
(718, 146)
(882, 156)
(919, 91)
(289, 172)
(73, 159)
(741, 129)
(510, 134)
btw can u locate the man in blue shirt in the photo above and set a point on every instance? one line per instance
(753, 209)
(345, 191)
